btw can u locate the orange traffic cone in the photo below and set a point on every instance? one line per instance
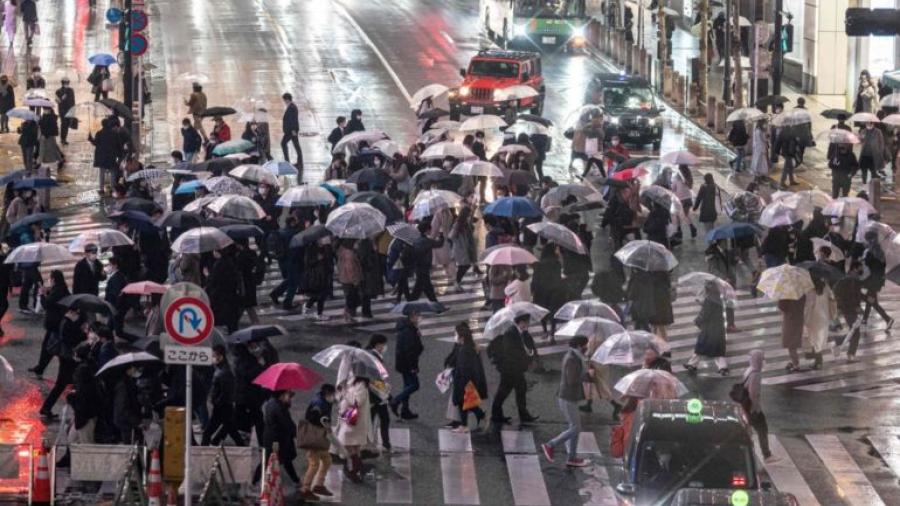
(154, 481)
(264, 497)
(40, 493)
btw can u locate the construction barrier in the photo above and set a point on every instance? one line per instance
(16, 470)
(240, 462)
(97, 463)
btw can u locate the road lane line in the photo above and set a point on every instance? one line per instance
(524, 468)
(853, 486)
(889, 449)
(395, 487)
(785, 475)
(448, 37)
(458, 468)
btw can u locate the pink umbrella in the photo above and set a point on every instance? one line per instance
(509, 255)
(145, 288)
(287, 376)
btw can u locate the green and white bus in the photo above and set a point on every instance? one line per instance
(535, 24)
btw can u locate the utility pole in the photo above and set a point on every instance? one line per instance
(125, 45)
(663, 39)
(778, 53)
(736, 54)
(726, 83)
(704, 49)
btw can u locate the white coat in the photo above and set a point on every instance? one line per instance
(759, 163)
(360, 434)
(817, 315)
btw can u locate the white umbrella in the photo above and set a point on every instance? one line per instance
(477, 168)
(591, 327)
(559, 234)
(355, 220)
(504, 318)
(388, 147)
(679, 158)
(516, 92)
(513, 148)
(35, 93)
(201, 240)
(848, 206)
(124, 359)
(792, 118)
(369, 136)
(445, 124)
(647, 256)
(150, 175)
(509, 255)
(236, 206)
(651, 384)
(482, 122)
(627, 348)
(429, 202)
(583, 308)
(254, 173)
(863, 117)
(22, 114)
(528, 128)
(779, 214)
(444, 149)
(745, 114)
(194, 77)
(893, 120)
(350, 359)
(838, 136)
(102, 238)
(198, 204)
(432, 91)
(39, 102)
(697, 280)
(38, 252)
(404, 232)
(306, 196)
(224, 185)
(836, 254)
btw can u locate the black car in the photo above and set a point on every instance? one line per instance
(676, 444)
(632, 110)
(726, 497)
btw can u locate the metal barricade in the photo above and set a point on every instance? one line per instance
(17, 460)
(236, 464)
(96, 463)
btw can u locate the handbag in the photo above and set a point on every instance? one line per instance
(73, 123)
(311, 437)
(471, 398)
(740, 395)
(350, 416)
(444, 380)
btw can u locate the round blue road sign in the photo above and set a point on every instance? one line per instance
(114, 15)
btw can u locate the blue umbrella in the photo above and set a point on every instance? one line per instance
(189, 187)
(733, 230)
(514, 207)
(46, 220)
(280, 168)
(15, 175)
(102, 59)
(339, 196)
(35, 182)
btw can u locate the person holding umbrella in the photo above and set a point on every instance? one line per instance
(406, 362)
(280, 431)
(355, 424)
(29, 142)
(512, 353)
(569, 394)
(53, 318)
(108, 150)
(548, 288)
(100, 82)
(709, 200)
(224, 287)
(423, 248)
(221, 132)
(318, 460)
(874, 259)
(7, 95)
(72, 332)
(711, 322)
(65, 99)
(379, 398)
(818, 312)
(221, 397)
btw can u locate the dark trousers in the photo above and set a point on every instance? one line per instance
(508, 383)
(45, 356)
(64, 129)
(464, 415)
(787, 172)
(380, 411)
(318, 300)
(246, 417)
(355, 297)
(410, 386)
(403, 288)
(461, 271)
(63, 379)
(30, 279)
(840, 184)
(866, 165)
(761, 426)
(423, 285)
(850, 317)
(288, 285)
(284, 149)
(872, 302)
(221, 424)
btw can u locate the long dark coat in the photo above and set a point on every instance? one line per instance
(711, 322)
(246, 262)
(224, 290)
(279, 427)
(650, 296)
(467, 366)
(547, 285)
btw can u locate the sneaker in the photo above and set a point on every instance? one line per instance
(322, 317)
(308, 495)
(732, 329)
(548, 451)
(321, 490)
(691, 369)
(576, 463)
(836, 351)
(528, 418)
(409, 415)
(852, 359)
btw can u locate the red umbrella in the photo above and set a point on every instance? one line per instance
(145, 288)
(288, 376)
(629, 174)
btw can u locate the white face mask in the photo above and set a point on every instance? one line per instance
(263, 191)
(615, 142)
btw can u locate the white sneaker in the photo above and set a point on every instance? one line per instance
(322, 317)
(771, 459)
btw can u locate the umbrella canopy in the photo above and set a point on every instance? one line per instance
(836, 113)
(430, 202)
(698, 281)
(87, 302)
(556, 195)
(374, 177)
(582, 116)
(179, 219)
(355, 220)
(431, 91)
(744, 206)
(22, 114)
(353, 140)
(145, 288)
(431, 176)
(201, 240)
(650, 384)
(136, 219)
(254, 174)
(836, 254)
(770, 100)
(39, 102)
(838, 136)
(513, 207)
(559, 234)
(504, 318)
(256, 333)
(732, 230)
(381, 202)
(150, 175)
(848, 206)
(404, 232)
(664, 197)
(511, 149)
(46, 220)
(388, 147)
(482, 122)
(794, 117)
(864, 117)
(591, 327)
(237, 206)
(287, 376)
(243, 231)
(34, 183)
(232, 146)
(785, 282)
(198, 204)
(309, 236)
(138, 204)
(528, 128)
(516, 92)
(306, 196)
(745, 114)
(280, 168)
(627, 348)
(10, 177)
(584, 308)
(679, 158)
(647, 256)
(118, 108)
(339, 188)
(217, 111)
(441, 150)
(779, 214)
(38, 252)
(893, 120)
(102, 59)
(102, 238)
(824, 272)
(628, 174)
(421, 307)
(477, 168)
(360, 361)
(127, 360)
(808, 198)
(509, 255)
(216, 165)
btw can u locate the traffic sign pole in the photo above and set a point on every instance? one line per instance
(188, 431)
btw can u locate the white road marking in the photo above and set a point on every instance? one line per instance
(785, 475)
(853, 486)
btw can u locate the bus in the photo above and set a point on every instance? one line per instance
(535, 24)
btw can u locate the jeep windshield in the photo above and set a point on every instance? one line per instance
(550, 8)
(494, 68)
(623, 96)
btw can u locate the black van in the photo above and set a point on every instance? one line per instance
(631, 109)
(724, 497)
(676, 444)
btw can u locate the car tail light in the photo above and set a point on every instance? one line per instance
(738, 480)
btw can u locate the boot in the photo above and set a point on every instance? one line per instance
(693, 231)
(356, 461)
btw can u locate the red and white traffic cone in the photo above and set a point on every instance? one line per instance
(172, 496)
(154, 481)
(40, 493)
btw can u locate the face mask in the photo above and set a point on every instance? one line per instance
(615, 142)
(384, 349)
(92, 256)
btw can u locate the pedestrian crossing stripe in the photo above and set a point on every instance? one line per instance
(852, 483)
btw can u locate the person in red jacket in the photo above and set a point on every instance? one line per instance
(616, 146)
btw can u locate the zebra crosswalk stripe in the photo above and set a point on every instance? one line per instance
(852, 482)
(395, 487)
(524, 468)
(785, 475)
(458, 474)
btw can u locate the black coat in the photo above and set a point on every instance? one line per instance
(49, 125)
(190, 140)
(467, 366)
(290, 121)
(221, 392)
(66, 99)
(278, 427)
(224, 289)
(650, 296)
(354, 125)
(409, 347)
(53, 312)
(372, 266)
(86, 280)
(512, 351)
(114, 287)
(246, 369)
(29, 13)
(85, 397)
(423, 249)
(547, 286)
(29, 134)
(706, 202)
(711, 322)
(107, 148)
(126, 407)
(8, 99)
(336, 134)
(656, 225)
(247, 263)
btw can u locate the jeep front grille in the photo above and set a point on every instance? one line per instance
(482, 94)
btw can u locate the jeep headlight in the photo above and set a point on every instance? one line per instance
(614, 120)
(498, 95)
(464, 91)
(577, 32)
(652, 121)
(519, 30)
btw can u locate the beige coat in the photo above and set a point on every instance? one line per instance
(356, 394)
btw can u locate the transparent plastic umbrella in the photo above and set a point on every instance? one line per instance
(582, 116)
(806, 200)
(697, 281)
(201, 240)
(254, 174)
(444, 149)
(836, 254)
(432, 91)
(848, 206)
(584, 308)
(778, 214)
(237, 206)
(745, 114)
(477, 168)
(663, 197)
(404, 232)
(150, 175)
(102, 238)
(355, 220)
(429, 202)
(128, 359)
(679, 158)
(280, 168)
(647, 256)
(482, 122)
(793, 117)
(627, 348)
(785, 282)
(504, 318)
(838, 136)
(651, 384)
(508, 255)
(348, 358)
(744, 206)
(306, 196)
(556, 195)
(863, 117)
(558, 234)
(591, 327)
(224, 185)
(38, 252)
(516, 92)
(353, 140)
(388, 147)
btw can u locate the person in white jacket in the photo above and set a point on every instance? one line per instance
(682, 187)
(519, 289)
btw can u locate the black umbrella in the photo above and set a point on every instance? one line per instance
(137, 219)
(180, 219)
(430, 177)
(632, 162)
(221, 221)
(434, 113)
(580, 207)
(370, 176)
(256, 333)
(770, 100)
(139, 204)
(827, 273)
(608, 181)
(381, 202)
(309, 236)
(534, 118)
(217, 111)
(216, 165)
(87, 302)
(407, 308)
(46, 220)
(243, 231)
(118, 107)
(836, 113)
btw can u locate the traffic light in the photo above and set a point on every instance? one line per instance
(787, 38)
(861, 22)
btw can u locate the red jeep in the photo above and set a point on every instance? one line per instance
(490, 72)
